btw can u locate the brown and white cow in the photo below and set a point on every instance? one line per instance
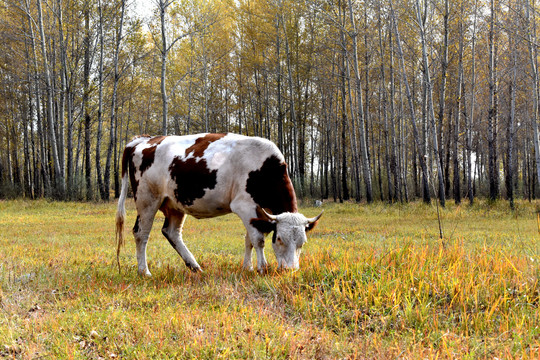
(208, 175)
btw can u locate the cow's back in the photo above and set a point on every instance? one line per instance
(201, 174)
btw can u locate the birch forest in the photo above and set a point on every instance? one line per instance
(374, 100)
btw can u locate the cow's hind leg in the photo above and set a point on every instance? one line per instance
(141, 231)
(172, 230)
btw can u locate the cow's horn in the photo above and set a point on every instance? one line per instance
(271, 217)
(313, 219)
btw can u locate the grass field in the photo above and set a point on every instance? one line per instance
(375, 282)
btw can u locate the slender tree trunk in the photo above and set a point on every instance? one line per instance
(416, 136)
(190, 86)
(67, 99)
(28, 121)
(63, 94)
(361, 123)
(460, 101)
(114, 110)
(442, 97)
(493, 168)
(86, 110)
(278, 87)
(205, 84)
(101, 186)
(470, 118)
(40, 128)
(292, 109)
(431, 114)
(343, 100)
(356, 170)
(69, 141)
(384, 95)
(394, 166)
(533, 55)
(447, 149)
(164, 51)
(511, 124)
(58, 176)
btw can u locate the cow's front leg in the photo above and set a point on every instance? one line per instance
(254, 238)
(247, 256)
(262, 265)
(257, 241)
(172, 230)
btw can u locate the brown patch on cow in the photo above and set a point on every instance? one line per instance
(134, 182)
(126, 156)
(156, 140)
(192, 178)
(263, 225)
(202, 143)
(136, 226)
(129, 166)
(149, 154)
(271, 188)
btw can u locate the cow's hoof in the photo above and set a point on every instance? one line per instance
(248, 268)
(194, 268)
(145, 273)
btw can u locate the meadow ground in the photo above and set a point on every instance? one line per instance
(375, 282)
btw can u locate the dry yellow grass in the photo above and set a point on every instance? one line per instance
(375, 282)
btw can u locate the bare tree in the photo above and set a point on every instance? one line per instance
(416, 136)
(85, 100)
(493, 168)
(361, 124)
(510, 133)
(101, 186)
(114, 105)
(59, 176)
(421, 21)
(533, 56)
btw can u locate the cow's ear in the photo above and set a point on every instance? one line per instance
(264, 226)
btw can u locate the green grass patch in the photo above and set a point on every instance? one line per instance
(375, 281)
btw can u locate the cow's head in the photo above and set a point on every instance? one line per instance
(289, 234)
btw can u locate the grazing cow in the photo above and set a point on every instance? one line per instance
(208, 175)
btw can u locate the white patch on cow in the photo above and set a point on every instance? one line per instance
(218, 160)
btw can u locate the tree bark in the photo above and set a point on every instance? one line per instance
(459, 110)
(431, 113)
(361, 123)
(85, 106)
(442, 95)
(383, 104)
(163, 5)
(421, 154)
(533, 55)
(101, 186)
(493, 168)
(511, 124)
(58, 176)
(114, 110)
(394, 164)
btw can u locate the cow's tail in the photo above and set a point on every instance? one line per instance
(121, 212)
